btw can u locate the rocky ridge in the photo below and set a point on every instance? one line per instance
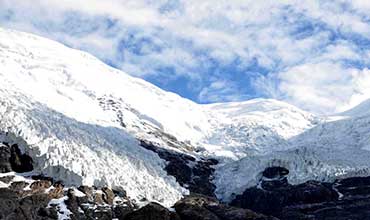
(26, 195)
(342, 199)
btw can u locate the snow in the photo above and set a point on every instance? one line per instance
(330, 150)
(359, 110)
(78, 193)
(3, 185)
(63, 212)
(81, 120)
(49, 106)
(256, 126)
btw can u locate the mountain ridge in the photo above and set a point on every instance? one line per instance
(83, 121)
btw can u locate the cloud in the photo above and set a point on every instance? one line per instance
(221, 50)
(316, 87)
(220, 91)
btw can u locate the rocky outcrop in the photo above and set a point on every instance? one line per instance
(17, 205)
(198, 207)
(344, 199)
(152, 211)
(40, 197)
(4, 159)
(89, 203)
(12, 159)
(195, 175)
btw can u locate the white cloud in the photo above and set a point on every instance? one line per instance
(220, 91)
(319, 87)
(361, 89)
(323, 88)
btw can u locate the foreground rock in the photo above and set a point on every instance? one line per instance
(343, 199)
(206, 208)
(152, 211)
(39, 197)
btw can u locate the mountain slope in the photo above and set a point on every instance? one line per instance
(330, 150)
(254, 127)
(50, 99)
(85, 123)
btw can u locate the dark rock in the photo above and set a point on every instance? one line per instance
(121, 211)
(118, 191)
(103, 213)
(57, 192)
(40, 186)
(152, 211)
(274, 184)
(312, 200)
(81, 209)
(6, 179)
(180, 170)
(193, 208)
(196, 177)
(5, 154)
(275, 172)
(108, 195)
(232, 213)
(271, 202)
(8, 202)
(48, 213)
(353, 186)
(19, 162)
(29, 207)
(72, 203)
(88, 191)
(98, 199)
(198, 207)
(210, 161)
(18, 186)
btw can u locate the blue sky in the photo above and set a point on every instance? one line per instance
(313, 54)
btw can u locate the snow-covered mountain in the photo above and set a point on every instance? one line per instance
(256, 126)
(334, 149)
(82, 121)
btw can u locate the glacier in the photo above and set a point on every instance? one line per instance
(82, 121)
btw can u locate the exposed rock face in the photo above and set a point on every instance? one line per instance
(98, 204)
(195, 175)
(31, 198)
(11, 159)
(13, 206)
(20, 162)
(343, 199)
(4, 159)
(39, 197)
(199, 207)
(152, 211)
(272, 201)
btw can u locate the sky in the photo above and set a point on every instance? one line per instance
(311, 53)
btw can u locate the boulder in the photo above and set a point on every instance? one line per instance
(20, 162)
(31, 206)
(108, 195)
(6, 179)
(57, 192)
(18, 186)
(40, 186)
(198, 207)
(152, 211)
(88, 191)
